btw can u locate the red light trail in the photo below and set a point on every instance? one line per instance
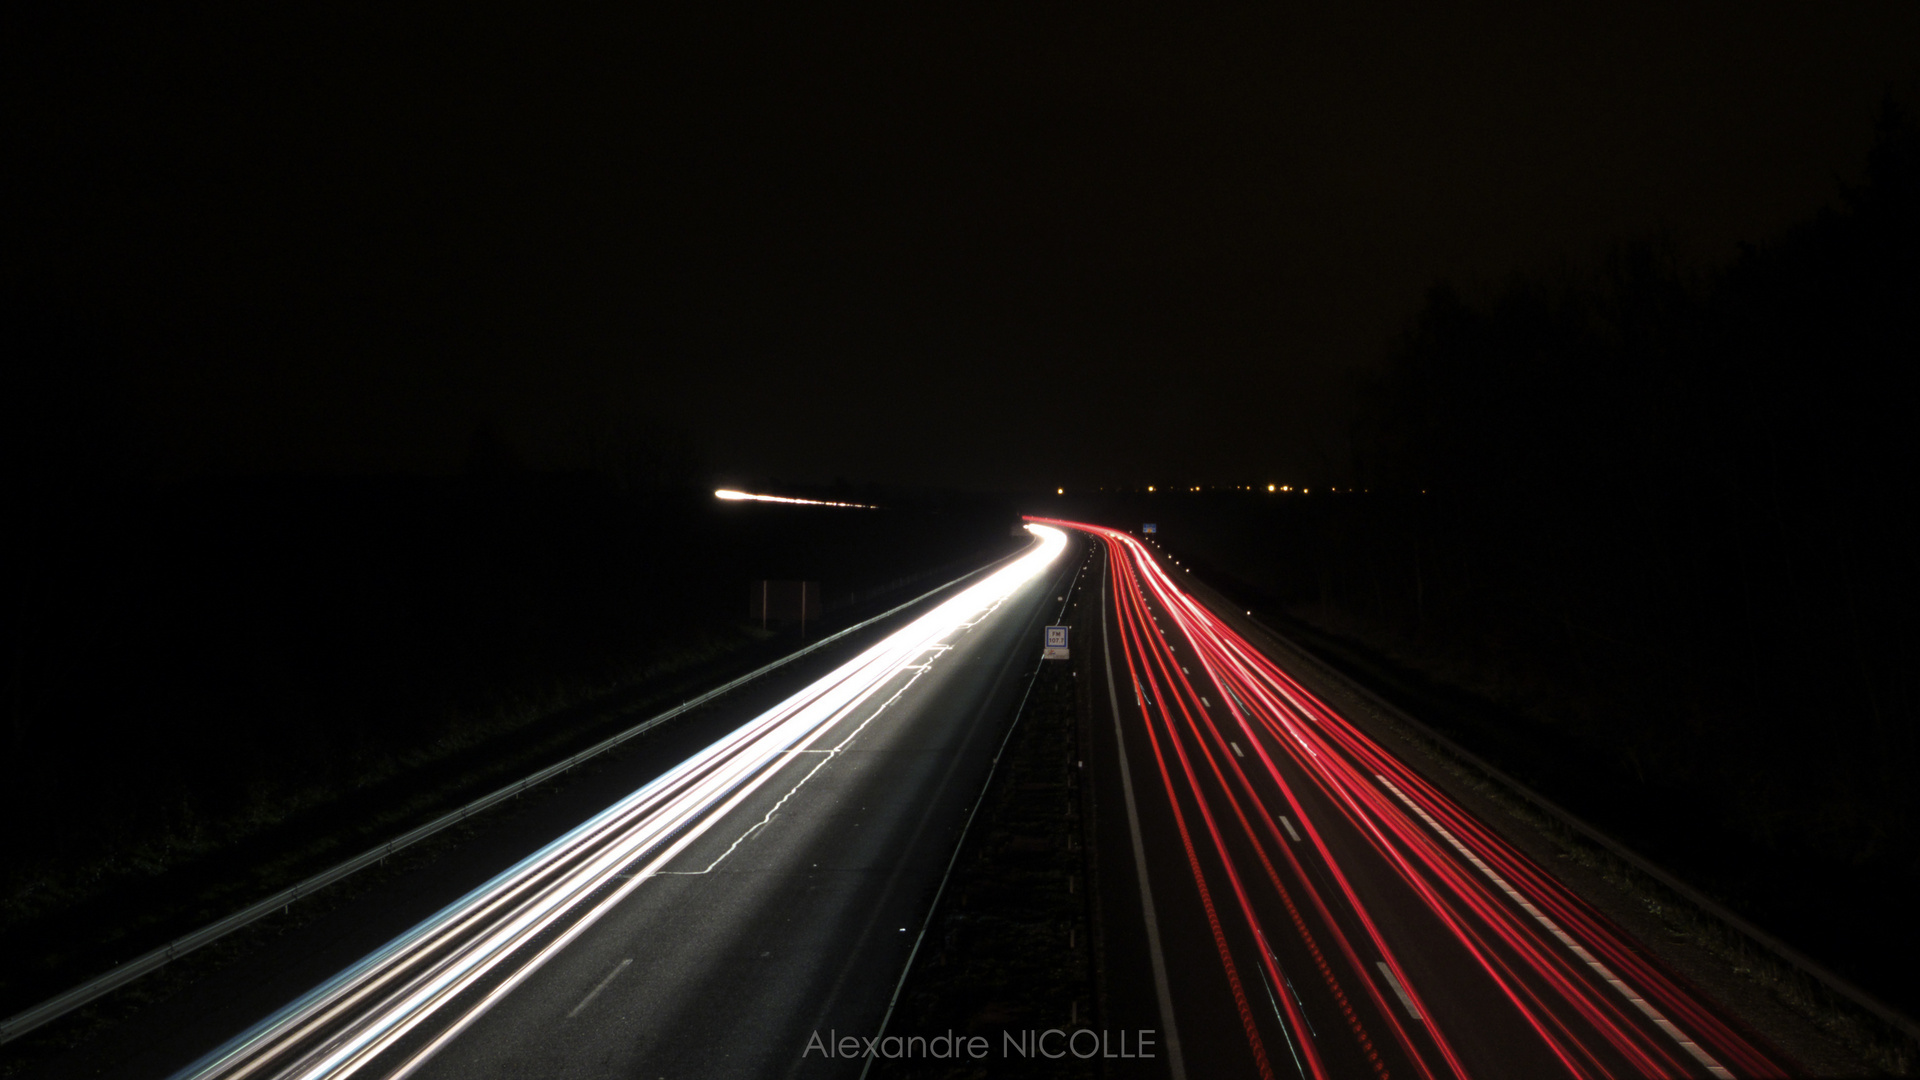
(1574, 981)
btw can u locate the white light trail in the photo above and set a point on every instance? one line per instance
(350, 1021)
(742, 496)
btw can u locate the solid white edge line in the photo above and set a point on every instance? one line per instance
(1694, 1049)
(1175, 1063)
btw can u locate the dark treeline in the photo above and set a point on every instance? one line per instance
(192, 666)
(1680, 507)
(1668, 533)
(1685, 502)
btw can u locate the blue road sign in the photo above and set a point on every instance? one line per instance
(1056, 644)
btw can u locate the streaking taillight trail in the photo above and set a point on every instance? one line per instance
(1597, 1005)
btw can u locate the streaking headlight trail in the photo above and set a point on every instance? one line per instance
(742, 496)
(395, 1008)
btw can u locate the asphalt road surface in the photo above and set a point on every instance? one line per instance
(1279, 895)
(1304, 904)
(763, 880)
(797, 915)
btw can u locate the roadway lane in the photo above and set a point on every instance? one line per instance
(798, 916)
(1323, 911)
(709, 923)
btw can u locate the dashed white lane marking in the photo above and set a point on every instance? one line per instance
(1184, 671)
(1646, 1008)
(828, 756)
(1236, 750)
(1204, 701)
(1288, 825)
(595, 992)
(1398, 990)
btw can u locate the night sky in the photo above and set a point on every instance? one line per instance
(983, 246)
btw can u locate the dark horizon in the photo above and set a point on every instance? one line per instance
(953, 250)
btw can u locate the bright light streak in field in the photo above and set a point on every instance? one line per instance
(355, 1018)
(742, 496)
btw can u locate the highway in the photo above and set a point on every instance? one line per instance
(708, 922)
(1280, 895)
(1308, 905)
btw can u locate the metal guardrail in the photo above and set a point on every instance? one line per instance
(105, 983)
(1707, 906)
